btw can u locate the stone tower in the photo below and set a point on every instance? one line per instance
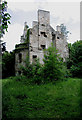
(40, 37)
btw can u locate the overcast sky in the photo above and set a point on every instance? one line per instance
(60, 12)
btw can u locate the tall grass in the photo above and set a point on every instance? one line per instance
(23, 101)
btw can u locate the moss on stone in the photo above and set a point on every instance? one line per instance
(20, 49)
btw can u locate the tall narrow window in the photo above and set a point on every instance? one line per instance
(58, 38)
(53, 36)
(20, 57)
(34, 58)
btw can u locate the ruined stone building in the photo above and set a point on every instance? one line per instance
(41, 36)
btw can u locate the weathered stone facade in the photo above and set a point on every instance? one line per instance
(41, 36)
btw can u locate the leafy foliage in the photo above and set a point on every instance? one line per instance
(74, 62)
(64, 30)
(53, 65)
(27, 36)
(52, 70)
(32, 71)
(27, 69)
(4, 17)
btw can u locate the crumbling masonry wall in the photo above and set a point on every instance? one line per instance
(40, 37)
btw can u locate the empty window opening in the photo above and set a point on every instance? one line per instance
(19, 72)
(58, 38)
(43, 46)
(53, 36)
(20, 57)
(31, 49)
(43, 25)
(43, 33)
(34, 58)
(30, 32)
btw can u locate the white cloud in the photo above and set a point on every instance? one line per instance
(72, 37)
(68, 13)
(64, 10)
(25, 6)
(44, 0)
(20, 1)
(12, 37)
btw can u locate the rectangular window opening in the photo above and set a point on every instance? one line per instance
(43, 25)
(58, 38)
(20, 57)
(53, 36)
(34, 58)
(43, 33)
(43, 46)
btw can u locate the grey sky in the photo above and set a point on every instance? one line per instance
(61, 12)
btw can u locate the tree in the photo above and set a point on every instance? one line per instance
(33, 71)
(4, 21)
(53, 65)
(52, 70)
(8, 64)
(64, 30)
(74, 62)
(4, 18)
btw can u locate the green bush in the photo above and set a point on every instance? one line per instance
(75, 70)
(27, 70)
(52, 70)
(74, 63)
(37, 72)
(8, 64)
(33, 72)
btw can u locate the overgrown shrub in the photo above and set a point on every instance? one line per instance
(52, 70)
(33, 71)
(37, 72)
(74, 63)
(27, 70)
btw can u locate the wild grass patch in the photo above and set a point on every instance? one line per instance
(60, 100)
